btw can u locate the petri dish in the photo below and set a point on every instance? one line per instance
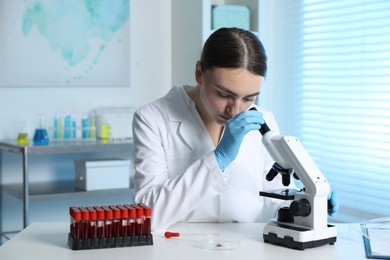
(218, 242)
(376, 237)
(376, 225)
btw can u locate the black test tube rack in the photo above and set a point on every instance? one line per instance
(78, 237)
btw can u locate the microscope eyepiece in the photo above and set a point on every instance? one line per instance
(264, 127)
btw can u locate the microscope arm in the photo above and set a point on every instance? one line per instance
(289, 153)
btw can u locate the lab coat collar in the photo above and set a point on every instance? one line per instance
(181, 110)
(178, 105)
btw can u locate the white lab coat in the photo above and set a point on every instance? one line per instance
(176, 172)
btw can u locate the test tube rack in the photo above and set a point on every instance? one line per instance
(110, 226)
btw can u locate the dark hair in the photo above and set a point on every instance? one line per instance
(234, 48)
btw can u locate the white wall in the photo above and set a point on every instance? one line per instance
(276, 94)
(151, 77)
(150, 43)
(150, 53)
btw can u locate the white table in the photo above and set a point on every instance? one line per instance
(48, 240)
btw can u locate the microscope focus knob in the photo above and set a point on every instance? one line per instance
(284, 215)
(300, 208)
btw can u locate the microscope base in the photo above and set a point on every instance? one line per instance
(298, 238)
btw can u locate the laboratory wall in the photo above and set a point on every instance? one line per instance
(150, 78)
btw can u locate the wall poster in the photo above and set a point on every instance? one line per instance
(49, 43)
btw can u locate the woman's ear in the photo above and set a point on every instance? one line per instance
(198, 72)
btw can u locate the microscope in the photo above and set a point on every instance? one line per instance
(304, 223)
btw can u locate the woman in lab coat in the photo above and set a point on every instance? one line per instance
(198, 154)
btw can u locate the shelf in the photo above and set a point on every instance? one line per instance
(58, 190)
(30, 191)
(69, 146)
(253, 5)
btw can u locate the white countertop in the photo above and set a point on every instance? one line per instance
(48, 240)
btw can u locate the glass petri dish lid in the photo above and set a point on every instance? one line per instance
(218, 242)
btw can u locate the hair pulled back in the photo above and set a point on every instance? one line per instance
(234, 48)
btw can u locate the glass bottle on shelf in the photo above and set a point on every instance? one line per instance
(40, 136)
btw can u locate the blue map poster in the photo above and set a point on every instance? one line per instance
(49, 43)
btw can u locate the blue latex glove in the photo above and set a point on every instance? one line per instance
(235, 130)
(333, 203)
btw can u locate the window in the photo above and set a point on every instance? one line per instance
(331, 70)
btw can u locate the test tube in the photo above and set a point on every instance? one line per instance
(55, 127)
(60, 127)
(139, 220)
(124, 220)
(84, 222)
(92, 126)
(147, 228)
(75, 222)
(85, 127)
(131, 223)
(67, 126)
(100, 222)
(92, 223)
(108, 214)
(73, 126)
(116, 220)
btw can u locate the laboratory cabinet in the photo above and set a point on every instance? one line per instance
(61, 189)
(192, 25)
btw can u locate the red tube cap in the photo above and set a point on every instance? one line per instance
(75, 213)
(100, 213)
(92, 213)
(84, 213)
(107, 212)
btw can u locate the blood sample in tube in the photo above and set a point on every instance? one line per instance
(100, 221)
(147, 228)
(108, 214)
(124, 220)
(131, 223)
(139, 221)
(92, 223)
(75, 222)
(116, 220)
(84, 222)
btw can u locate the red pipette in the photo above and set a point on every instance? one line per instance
(169, 234)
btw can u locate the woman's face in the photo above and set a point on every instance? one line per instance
(226, 92)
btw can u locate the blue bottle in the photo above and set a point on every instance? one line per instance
(40, 136)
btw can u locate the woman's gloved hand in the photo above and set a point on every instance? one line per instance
(235, 130)
(333, 203)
